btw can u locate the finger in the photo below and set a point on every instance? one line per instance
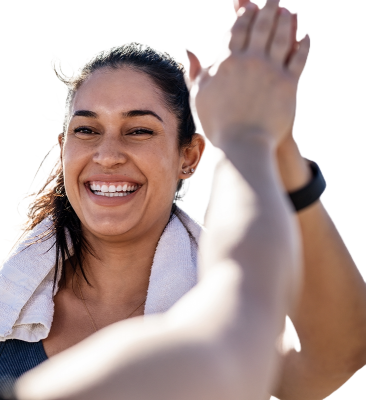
(282, 42)
(298, 60)
(240, 30)
(263, 26)
(240, 3)
(194, 67)
(294, 28)
(295, 41)
(237, 6)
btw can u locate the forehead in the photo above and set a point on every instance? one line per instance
(119, 90)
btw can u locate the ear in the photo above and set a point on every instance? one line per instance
(191, 156)
(61, 137)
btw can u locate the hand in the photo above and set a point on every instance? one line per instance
(254, 88)
(238, 4)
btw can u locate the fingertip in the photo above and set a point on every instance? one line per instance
(240, 12)
(306, 40)
(187, 51)
(192, 57)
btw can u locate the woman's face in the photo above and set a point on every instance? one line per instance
(120, 154)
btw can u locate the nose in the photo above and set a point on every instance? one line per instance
(110, 153)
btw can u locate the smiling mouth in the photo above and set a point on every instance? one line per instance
(112, 189)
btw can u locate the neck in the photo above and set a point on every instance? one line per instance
(120, 270)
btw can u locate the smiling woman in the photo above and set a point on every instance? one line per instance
(127, 121)
(106, 242)
(122, 162)
(128, 143)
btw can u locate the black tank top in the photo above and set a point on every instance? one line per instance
(16, 358)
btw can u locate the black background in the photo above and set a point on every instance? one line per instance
(327, 126)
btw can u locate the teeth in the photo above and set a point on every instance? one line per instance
(116, 194)
(112, 190)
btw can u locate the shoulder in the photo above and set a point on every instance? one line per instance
(14, 351)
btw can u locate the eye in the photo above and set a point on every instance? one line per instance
(84, 131)
(141, 131)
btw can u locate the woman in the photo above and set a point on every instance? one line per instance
(99, 151)
(129, 142)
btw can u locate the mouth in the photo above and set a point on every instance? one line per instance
(112, 189)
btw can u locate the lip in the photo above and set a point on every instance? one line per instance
(111, 178)
(110, 201)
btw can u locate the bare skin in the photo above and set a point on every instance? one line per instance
(332, 336)
(111, 303)
(124, 236)
(221, 337)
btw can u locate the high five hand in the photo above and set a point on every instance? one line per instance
(260, 76)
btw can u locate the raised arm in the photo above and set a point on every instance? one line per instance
(218, 342)
(331, 317)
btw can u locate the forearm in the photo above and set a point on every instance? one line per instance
(331, 317)
(264, 247)
(207, 346)
(248, 210)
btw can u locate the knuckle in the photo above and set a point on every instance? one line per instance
(263, 24)
(280, 41)
(229, 63)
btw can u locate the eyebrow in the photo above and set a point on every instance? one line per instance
(128, 114)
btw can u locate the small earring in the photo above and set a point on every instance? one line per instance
(184, 172)
(192, 170)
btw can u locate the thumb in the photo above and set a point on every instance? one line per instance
(194, 66)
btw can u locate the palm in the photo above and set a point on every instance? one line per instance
(195, 67)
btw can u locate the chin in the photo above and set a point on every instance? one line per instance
(108, 227)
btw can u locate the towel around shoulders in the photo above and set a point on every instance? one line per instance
(26, 278)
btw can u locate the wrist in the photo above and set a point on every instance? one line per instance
(294, 169)
(243, 138)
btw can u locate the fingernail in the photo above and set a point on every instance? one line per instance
(240, 12)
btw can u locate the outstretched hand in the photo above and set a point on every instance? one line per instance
(242, 4)
(260, 75)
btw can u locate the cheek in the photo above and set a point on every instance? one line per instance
(161, 167)
(167, 164)
(73, 161)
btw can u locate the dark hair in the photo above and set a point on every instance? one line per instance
(51, 201)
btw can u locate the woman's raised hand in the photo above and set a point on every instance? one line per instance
(259, 75)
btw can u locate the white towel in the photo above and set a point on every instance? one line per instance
(26, 279)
